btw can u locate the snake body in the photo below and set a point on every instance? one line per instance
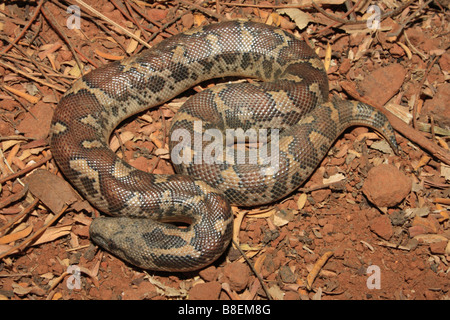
(292, 98)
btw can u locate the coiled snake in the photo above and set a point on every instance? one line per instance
(290, 102)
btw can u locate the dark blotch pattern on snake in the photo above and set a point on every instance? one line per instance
(290, 100)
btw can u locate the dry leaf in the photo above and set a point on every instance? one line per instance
(246, 247)
(327, 60)
(153, 138)
(381, 145)
(301, 201)
(406, 49)
(47, 275)
(147, 117)
(133, 43)
(428, 225)
(52, 190)
(49, 48)
(53, 233)
(276, 293)
(362, 48)
(16, 235)
(259, 262)
(239, 216)
(75, 71)
(342, 151)
(168, 291)
(442, 142)
(400, 111)
(83, 219)
(283, 217)
(422, 162)
(430, 238)
(259, 214)
(5, 248)
(300, 18)
(444, 215)
(306, 3)
(162, 153)
(328, 1)
(28, 152)
(316, 269)
(26, 96)
(9, 143)
(55, 64)
(368, 136)
(57, 296)
(12, 154)
(445, 171)
(199, 19)
(108, 56)
(317, 295)
(417, 212)
(143, 4)
(21, 289)
(334, 178)
(124, 137)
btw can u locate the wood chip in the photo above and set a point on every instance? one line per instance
(316, 269)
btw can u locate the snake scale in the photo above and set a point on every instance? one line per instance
(287, 97)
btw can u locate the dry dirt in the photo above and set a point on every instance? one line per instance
(368, 224)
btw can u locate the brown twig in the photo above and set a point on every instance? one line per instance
(19, 216)
(22, 33)
(26, 169)
(38, 30)
(16, 98)
(105, 18)
(52, 21)
(163, 125)
(129, 16)
(14, 197)
(250, 264)
(158, 159)
(266, 6)
(39, 67)
(331, 185)
(351, 22)
(433, 134)
(201, 9)
(422, 82)
(87, 15)
(149, 19)
(402, 25)
(352, 10)
(26, 57)
(15, 138)
(95, 65)
(121, 145)
(27, 75)
(165, 26)
(33, 236)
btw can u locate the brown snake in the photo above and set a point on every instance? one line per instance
(290, 101)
